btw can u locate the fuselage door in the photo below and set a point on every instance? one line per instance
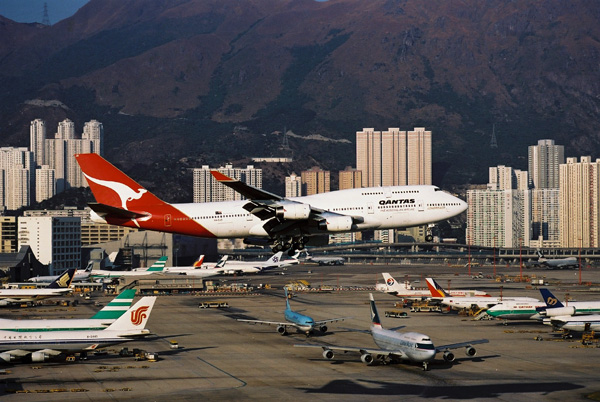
(168, 220)
(370, 208)
(420, 206)
(387, 192)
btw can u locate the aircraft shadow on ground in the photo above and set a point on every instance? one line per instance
(439, 364)
(367, 387)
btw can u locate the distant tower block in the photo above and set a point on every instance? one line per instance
(493, 143)
(46, 19)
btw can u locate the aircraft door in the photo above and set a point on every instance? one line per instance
(370, 209)
(420, 206)
(168, 220)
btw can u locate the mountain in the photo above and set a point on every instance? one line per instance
(181, 83)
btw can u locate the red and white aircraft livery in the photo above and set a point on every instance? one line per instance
(287, 223)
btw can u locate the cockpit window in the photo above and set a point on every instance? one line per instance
(428, 346)
(437, 189)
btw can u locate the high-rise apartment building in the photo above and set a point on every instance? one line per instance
(350, 178)
(544, 161)
(45, 183)
(66, 130)
(16, 166)
(293, 186)
(545, 222)
(579, 194)
(394, 157)
(315, 181)
(207, 189)
(93, 131)
(8, 234)
(37, 136)
(506, 178)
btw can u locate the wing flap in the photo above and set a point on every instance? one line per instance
(352, 349)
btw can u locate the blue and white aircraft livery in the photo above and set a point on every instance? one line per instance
(301, 322)
(410, 346)
(60, 286)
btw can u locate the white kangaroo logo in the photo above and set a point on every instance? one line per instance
(124, 192)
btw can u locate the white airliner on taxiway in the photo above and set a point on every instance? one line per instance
(287, 223)
(411, 346)
(60, 286)
(406, 291)
(40, 346)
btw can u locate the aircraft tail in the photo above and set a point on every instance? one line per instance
(389, 279)
(375, 321)
(159, 265)
(136, 317)
(222, 261)
(550, 300)
(200, 261)
(64, 280)
(274, 259)
(287, 299)
(117, 306)
(435, 288)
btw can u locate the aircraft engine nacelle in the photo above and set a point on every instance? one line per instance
(367, 358)
(5, 303)
(7, 357)
(323, 328)
(336, 224)
(38, 357)
(449, 356)
(293, 211)
(470, 351)
(328, 354)
(281, 329)
(556, 312)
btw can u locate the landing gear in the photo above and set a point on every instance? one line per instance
(290, 244)
(425, 366)
(429, 235)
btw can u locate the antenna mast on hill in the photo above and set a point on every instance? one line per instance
(493, 143)
(45, 18)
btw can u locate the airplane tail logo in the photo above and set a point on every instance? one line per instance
(390, 281)
(435, 289)
(551, 301)
(64, 280)
(138, 315)
(374, 314)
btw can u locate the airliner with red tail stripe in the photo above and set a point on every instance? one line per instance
(264, 218)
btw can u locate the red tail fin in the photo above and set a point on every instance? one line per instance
(113, 187)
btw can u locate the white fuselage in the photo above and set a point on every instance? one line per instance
(29, 295)
(415, 347)
(378, 208)
(481, 302)
(578, 323)
(54, 325)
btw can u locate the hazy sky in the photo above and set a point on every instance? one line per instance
(33, 10)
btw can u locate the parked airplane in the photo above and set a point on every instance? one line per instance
(577, 323)
(301, 322)
(197, 270)
(102, 319)
(406, 291)
(411, 346)
(59, 287)
(554, 308)
(250, 267)
(481, 302)
(557, 263)
(40, 346)
(516, 310)
(80, 276)
(287, 223)
(157, 267)
(325, 260)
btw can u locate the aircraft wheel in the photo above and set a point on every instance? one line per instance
(429, 238)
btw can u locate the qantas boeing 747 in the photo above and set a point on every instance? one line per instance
(286, 223)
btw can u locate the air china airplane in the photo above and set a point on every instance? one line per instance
(286, 223)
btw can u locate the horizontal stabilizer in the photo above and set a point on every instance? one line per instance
(105, 210)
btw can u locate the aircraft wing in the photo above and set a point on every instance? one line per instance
(280, 213)
(321, 322)
(353, 349)
(261, 322)
(460, 345)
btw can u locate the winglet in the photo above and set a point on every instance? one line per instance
(220, 177)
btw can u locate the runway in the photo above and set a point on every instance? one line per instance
(222, 359)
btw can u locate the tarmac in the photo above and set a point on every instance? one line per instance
(220, 358)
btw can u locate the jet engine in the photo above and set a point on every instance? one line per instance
(328, 354)
(7, 357)
(336, 224)
(449, 356)
(323, 328)
(38, 357)
(367, 358)
(470, 351)
(281, 329)
(293, 211)
(555, 312)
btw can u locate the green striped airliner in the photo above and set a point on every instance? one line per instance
(102, 319)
